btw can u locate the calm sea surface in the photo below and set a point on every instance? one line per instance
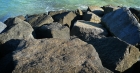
(11, 8)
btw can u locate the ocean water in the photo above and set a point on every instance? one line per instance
(11, 8)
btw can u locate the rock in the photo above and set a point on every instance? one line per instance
(84, 30)
(9, 39)
(2, 26)
(21, 17)
(55, 13)
(136, 13)
(115, 54)
(53, 30)
(56, 56)
(96, 10)
(39, 20)
(109, 8)
(79, 12)
(123, 25)
(89, 16)
(67, 19)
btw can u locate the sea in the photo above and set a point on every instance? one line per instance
(12, 8)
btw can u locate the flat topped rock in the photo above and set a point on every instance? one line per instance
(123, 25)
(57, 56)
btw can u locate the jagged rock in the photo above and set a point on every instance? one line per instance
(19, 30)
(79, 12)
(39, 20)
(123, 25)
(89, 16)
(56, 56)
(84, 30)
(53, 30)
(115, 54)
(2, 26)
(109, 8)
(96, 10)
(67, 19)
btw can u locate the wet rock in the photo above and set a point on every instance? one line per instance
(85, 29)
(109, 8)
(39, 20)
(115, 54)
(123, 25)
(53, 30)
(89, 16)
(57, 56)
(96, 10)
(2, 26)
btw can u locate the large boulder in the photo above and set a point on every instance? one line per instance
(57, 56)
(116, 54)
(53, 30)
(89, 16)
(10, 38)
(85, 29)
(67, 19)
(96, 10)
(123, 25)
(38, 20)
(2, 26)
(55, 13)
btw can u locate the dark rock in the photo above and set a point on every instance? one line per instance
(115, 54)
(53, 30)
(96, 10)
(123, 25)
(89, 16)
(84, 30)
(109, 8)
(39, 20)
(57, 56)
(55, 13)
(67, 19)
(2, 26)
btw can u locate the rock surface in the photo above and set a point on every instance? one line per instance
(55, 56)
(96, 10)
(85, 29)
(2, 26)
(89, 16)
(39, 20)
(53, 30)
(123, 25)
(115, 54)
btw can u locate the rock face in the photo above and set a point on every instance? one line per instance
(10, 38)
(56, 56)
(55, 13)
(115, 54)
(53, 30)
(84, 30)
(89, 16)
(39, 20)
(123, 24)
(2, 26)
(96, 10)
(67, 19)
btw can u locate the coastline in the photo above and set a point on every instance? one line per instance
(97, 40)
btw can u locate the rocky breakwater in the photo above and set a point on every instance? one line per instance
(97, 40)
